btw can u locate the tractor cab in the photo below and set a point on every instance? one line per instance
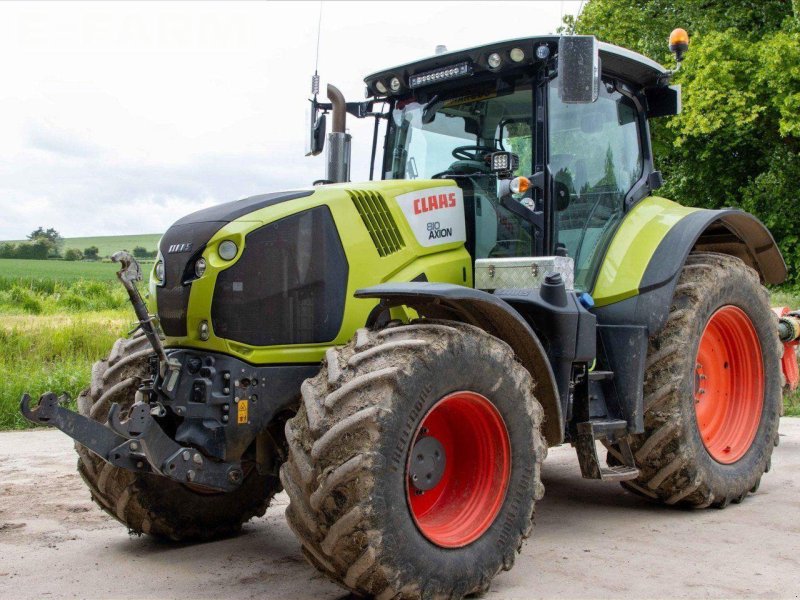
(526, 108)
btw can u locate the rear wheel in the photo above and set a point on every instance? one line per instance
(148, 503)
(712, 389)
(414, 461)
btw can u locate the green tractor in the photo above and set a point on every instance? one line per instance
(399, 354)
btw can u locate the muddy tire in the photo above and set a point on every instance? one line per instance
(712, 391)
(360, 519)
(148, 503)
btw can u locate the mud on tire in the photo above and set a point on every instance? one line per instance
(148, 503)
(348, 447)
(675, 466)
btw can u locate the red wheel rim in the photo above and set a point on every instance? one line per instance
(466, 500)
(729, 385)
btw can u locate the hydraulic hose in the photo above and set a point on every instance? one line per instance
(789, 328)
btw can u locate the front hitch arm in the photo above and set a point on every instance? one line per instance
(136, 444)
(94, 435)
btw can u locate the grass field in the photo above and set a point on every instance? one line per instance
(20, 271)
(57, 318)
(108, 244)
(54, 287)
(51, 353)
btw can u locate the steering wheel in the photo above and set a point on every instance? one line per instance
(472, 152)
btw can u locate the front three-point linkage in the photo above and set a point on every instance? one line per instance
(137, 443)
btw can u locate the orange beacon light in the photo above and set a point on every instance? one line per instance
(678, 43)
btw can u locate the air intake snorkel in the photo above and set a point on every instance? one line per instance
(338, 169)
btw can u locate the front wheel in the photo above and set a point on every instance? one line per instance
(414, 461)
(712, 389)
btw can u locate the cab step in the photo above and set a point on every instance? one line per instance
(618, 473)
(614, 431)
(601, 375)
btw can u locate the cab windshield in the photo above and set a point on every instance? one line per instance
(452, 137)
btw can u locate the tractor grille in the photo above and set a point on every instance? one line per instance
(379, 221)
(187, 238)
(172, 297)
(288, 287)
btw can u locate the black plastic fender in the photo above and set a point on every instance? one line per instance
(728, 231)
(493, 315)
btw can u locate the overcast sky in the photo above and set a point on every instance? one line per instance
(119, 118)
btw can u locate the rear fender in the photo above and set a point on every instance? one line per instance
(641, 269)
(493, 315)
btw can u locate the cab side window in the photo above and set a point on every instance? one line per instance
(595, 158)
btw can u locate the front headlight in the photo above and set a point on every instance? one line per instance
(200, 267)
(228, 250)
(158, 270)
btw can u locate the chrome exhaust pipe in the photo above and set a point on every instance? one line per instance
(338, 167)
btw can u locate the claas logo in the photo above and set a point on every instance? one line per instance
(434, 202)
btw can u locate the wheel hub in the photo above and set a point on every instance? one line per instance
(427, 463)
(728, 385)
(458, 469)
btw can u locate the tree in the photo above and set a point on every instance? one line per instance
(73, 254)
(91, 253)
(50, 237)
(141, 252)
(47, 234)
(737, 141)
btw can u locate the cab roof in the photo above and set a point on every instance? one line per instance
(623, 63)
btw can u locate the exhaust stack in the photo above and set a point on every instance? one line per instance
(338, 169)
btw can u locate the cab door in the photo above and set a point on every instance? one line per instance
(595, 159)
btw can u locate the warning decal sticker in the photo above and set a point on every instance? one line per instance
(242, 413)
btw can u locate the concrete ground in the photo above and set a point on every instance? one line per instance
(592, 540)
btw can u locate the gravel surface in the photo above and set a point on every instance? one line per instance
(592, 540)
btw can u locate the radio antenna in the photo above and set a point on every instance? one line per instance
(315, 76)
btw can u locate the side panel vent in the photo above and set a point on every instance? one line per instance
(378, 220)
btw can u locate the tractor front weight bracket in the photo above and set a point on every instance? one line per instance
(137, 444)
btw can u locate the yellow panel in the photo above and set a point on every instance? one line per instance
(446, 263)
(634, 244)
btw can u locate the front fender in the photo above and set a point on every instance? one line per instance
(493, 315)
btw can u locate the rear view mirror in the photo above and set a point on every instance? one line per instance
(315, 141)
(578, 69)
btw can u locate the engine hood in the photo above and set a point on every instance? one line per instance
(185, 240)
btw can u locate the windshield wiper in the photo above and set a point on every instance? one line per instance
(427, 114)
